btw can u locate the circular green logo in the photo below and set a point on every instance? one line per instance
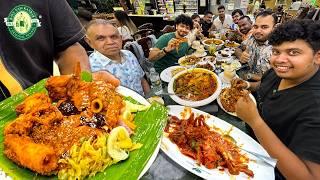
(22, 22)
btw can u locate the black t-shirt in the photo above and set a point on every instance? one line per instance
(205, 27)
(32, 33)
(293, 114)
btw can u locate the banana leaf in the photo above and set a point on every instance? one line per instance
(150, 124)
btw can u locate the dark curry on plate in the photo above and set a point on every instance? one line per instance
(195, 85)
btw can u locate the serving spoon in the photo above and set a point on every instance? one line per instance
(268, 160)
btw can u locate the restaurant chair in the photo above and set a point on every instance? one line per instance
(167, 29)
(142, 33)
(141, 49)
(146, 26)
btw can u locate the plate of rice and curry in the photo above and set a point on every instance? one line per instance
(194, 87)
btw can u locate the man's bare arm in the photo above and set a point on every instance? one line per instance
(67, 59)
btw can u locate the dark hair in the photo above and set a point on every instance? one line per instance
(234, 12)
(194, 16)
(305, 29)
(246, 17)
(184, 19)
(125, 20)
(268, 13)
(207, 12)
(221, 7)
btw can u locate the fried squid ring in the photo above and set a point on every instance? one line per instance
(96, 105)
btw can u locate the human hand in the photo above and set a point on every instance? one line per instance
(239, 83)
(174, 44)
(247, 110)
(105, 76)
(245, 56)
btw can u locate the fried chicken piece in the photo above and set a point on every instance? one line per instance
(178, 41)
(230, 96)
(56, 86)
(32, 102)
(20, 126)
(37, 157)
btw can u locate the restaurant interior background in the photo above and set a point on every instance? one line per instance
(164, 11)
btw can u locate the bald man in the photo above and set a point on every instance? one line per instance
(108, 55)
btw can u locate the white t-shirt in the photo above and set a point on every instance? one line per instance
(226, 24)
(125, 32)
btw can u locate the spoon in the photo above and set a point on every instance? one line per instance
(268, 160)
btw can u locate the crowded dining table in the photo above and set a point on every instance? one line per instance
(220, 59)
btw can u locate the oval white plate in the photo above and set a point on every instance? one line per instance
(260, 169)
(194, 103)
(180, 60)
(166, 74)
(200, 55)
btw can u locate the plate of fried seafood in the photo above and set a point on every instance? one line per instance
(229, 96)
(201, 143)
(169, 72)
(194, 87)
(66, 128)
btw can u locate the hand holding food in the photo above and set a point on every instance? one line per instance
(244, 58)
(239, 83)
(247, 110)
(175, 44)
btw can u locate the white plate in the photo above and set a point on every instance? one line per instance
(200, 55)
(233, 113)
(260, 169)
(180, 60)
(166, 74)
(194, 103)
(207, 59)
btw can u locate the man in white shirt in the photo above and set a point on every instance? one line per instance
(223, 21)
(108, 56)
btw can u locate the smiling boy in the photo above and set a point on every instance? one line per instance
(287, 122)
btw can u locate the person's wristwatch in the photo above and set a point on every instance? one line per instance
(164, 50)
(249, 76)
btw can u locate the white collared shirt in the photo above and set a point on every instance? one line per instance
(226, 23)
(128, 70)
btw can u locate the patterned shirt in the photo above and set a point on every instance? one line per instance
(128, 70)
(260, 54)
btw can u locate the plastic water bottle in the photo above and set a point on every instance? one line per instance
(155, 82)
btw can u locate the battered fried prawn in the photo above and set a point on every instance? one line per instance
(178, 41)
(230, 96)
